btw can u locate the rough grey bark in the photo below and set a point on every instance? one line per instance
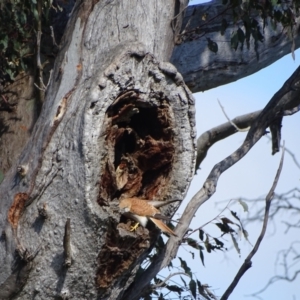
(201, 69)
(117, 121)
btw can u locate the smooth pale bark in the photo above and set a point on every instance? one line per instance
(112, 102)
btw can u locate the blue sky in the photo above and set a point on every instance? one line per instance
(250, 178)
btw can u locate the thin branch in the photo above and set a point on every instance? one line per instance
(231, 122)
(210, 221)
(53, 36)
(286, 268)
(293, 157)
(219, 14)
(248, 263)
(277, 278)
(154, 286)
(41, 86)
(286, 202)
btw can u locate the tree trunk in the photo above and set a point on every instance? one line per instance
(200, 67)
(117, 122)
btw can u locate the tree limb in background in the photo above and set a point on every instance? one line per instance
(232, 123)
(218, 133)
(286, 268)
(248, 263)
(202, 69)
(285, 100)
(282, 203)
(285, 205)
(287, 97)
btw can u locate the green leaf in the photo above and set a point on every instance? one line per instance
(226, 221)
(183, 281)
(23, 17)
(201, 234)
(241, 37)
(207, 245)
(192, 243)
(235, 215)
(185, 267)
(247, 25)
(212, 46)
(244, 205)
(4, 42)
(10, 73)
(245, 234)
(200, 288)
(201, 257)
(225, 228)
(235, 244)
(234, 42)
(174, 288)
(219, 243)
(35, 14)
(193, 288)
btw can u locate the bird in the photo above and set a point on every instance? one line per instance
(141, 210)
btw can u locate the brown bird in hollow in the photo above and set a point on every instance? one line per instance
(142, 210)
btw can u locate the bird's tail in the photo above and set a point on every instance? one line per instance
(162, 226)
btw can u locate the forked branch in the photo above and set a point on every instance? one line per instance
(207, 139)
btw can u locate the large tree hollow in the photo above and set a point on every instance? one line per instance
(140, 147)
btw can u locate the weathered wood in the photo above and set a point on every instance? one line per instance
(200, 68)
(117, 121)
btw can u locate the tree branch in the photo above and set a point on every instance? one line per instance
(248, 263)
(203, 70)
(218, 133)
(286, 98)
(286, 269)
